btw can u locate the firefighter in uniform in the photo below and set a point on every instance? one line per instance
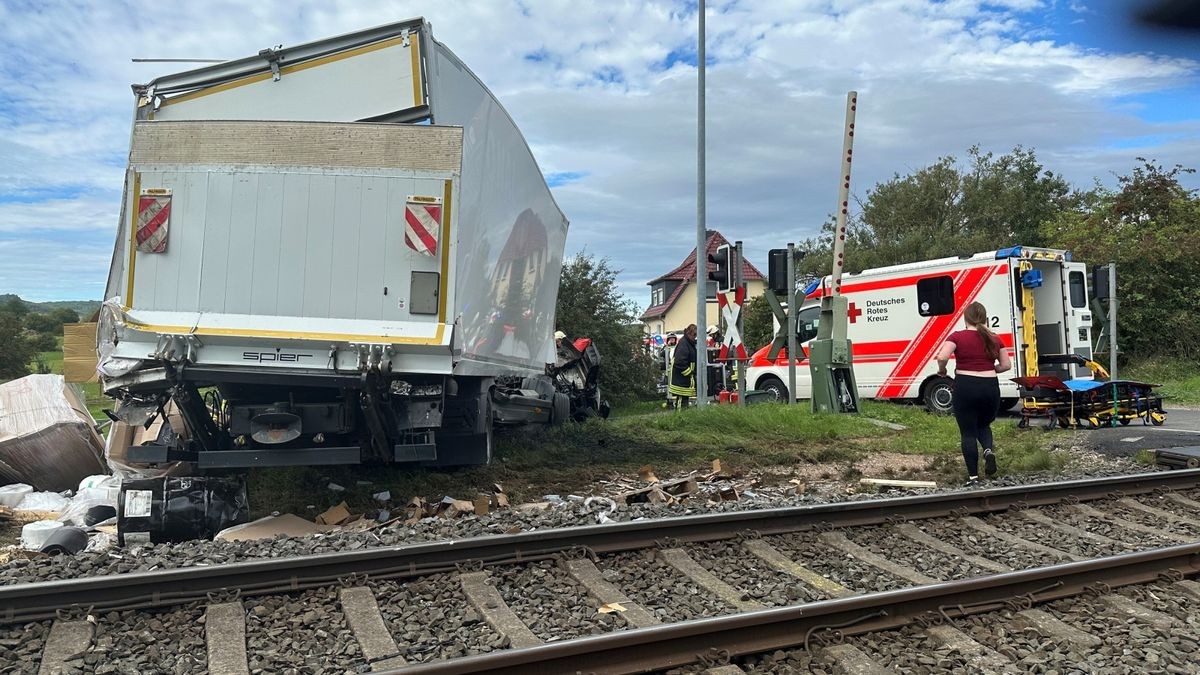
(683, 369)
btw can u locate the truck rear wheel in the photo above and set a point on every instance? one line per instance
(774, 387)
(938, 396)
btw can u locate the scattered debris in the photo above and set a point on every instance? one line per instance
(271, 526)
(601, 516)
(385, 496)
(11, 495)
(906, 484)
(335, 487)
(337, 515)
(65, 540)
(35, 534)
(609, 608)
(51, 502)
(646, 473)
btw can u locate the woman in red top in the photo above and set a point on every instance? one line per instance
(978, 358)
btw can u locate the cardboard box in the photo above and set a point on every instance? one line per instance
(79, 352)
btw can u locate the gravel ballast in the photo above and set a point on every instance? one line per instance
(830, 563)
(21, 647)
(1014, 524)
(659, 588)
(430, 618)
(974, 542)
(149, 642)
(900, 549)
(551, 603)
(568, 513)
(306, 632)
(734, 565)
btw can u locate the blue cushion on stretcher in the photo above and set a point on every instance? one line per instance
(1083, 385)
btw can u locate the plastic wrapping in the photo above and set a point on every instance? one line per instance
(111, 316)
(50, 502)
(170, 509)
(34, 535)
(47, 437)
(79, 510)
(11, 495)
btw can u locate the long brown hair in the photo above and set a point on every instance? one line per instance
(976, 315)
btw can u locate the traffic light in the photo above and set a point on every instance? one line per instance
(723, 274)
(777, 276)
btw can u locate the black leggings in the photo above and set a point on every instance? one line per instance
(976, 402)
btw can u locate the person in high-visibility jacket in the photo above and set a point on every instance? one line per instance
(683, 369)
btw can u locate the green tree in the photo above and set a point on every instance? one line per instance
(15, 306)
(945, 209)
(758, 327)
(590, 305)
(15, 350)
(38, 322)
(64, 315)
(1149, 228)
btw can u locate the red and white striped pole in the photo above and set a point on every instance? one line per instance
(839, 232)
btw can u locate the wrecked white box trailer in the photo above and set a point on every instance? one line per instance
(332, 253)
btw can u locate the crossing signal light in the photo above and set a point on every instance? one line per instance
(723, 274)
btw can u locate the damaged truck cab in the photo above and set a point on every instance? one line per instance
(333, 253)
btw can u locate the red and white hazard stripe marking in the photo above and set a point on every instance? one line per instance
(731, 311)
(422, 227)
(154, 213)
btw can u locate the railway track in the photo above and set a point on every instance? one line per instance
(644, 595)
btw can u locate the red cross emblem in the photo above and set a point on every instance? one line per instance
(854, 313)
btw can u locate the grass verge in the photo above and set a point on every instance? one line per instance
(1180, 379)
(574, 458)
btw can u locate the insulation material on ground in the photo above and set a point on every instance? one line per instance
(47, 437)
(79, 352)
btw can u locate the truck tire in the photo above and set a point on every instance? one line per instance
(774, 387)
(938, 396)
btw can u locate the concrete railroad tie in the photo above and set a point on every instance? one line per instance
(225, 633)
(488, 602)
(68, 640)
(362, 611)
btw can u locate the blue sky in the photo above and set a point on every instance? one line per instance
(605, 94)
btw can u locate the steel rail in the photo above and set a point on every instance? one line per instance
(648, 649)
(41, 600)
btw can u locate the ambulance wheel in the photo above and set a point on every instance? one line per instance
(939, 396)
(775, 388)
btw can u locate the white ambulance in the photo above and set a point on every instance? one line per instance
(900, 315)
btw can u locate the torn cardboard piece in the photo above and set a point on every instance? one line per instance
(269, 527)
(609, 608)
(646, 473)
(79, 352)
(450, 507)
(337, 515)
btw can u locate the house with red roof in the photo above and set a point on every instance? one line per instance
(673, 295)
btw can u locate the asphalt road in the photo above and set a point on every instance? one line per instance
(1181, 429)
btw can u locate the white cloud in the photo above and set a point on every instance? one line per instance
(934, 77)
